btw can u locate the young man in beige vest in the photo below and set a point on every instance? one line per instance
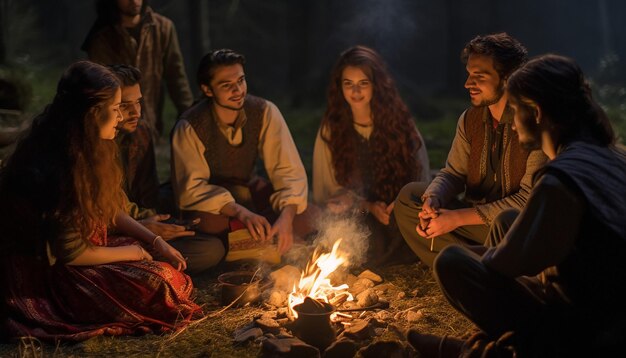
(215, 147)
(485, 164)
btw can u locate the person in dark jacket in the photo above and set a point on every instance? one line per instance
(552, 287)
(130, 32)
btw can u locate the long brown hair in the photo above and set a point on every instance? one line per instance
(62, 175)
(557, 84)
(394, 141)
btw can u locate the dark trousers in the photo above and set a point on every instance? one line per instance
(386, 245)
(409, 205)
(498, 304)
(201, 251)
(255, 196)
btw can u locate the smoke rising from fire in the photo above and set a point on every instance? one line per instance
(348, 227)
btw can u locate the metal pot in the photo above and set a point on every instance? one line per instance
(240, 287)
(313, 324)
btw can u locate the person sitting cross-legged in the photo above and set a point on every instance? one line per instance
(141, 183)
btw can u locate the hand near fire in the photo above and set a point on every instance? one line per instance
(167, 231)
(283, 228)
(257, 225)
(380, 210)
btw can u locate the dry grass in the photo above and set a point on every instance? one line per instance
(212, 337)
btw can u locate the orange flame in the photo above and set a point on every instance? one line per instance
(314, 281)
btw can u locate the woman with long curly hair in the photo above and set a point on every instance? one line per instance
(63, 277)
(367, 149)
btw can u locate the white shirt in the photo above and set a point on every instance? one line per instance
(191, 172)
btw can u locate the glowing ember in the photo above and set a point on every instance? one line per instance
(314, 281)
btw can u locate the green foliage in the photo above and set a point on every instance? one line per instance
(609, 88)
(20, 94)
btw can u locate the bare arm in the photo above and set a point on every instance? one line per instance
(97, 255)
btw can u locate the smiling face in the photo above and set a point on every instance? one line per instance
(228, 87)
(483, 81)
(526, 118)
(130, 108)
(109, 116)
(357, 87)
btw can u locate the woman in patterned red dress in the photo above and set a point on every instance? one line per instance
(63, 277)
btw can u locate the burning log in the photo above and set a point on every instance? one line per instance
(339, 299)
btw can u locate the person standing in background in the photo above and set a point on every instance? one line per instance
(130, 32)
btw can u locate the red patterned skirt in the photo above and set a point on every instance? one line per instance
(63, 302)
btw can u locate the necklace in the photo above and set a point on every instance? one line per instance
(363, 125)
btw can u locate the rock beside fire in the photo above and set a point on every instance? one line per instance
(358, 329)
(371, 276)
(289, 347)
(361, 285)
(268, 325)
(278, 298)
(248, 335)
(367, 298)
(413, 317)
(285, 278)
(392, 349)
(341, 348)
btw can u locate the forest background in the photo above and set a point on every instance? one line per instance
(291, 46)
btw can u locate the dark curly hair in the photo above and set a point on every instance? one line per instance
(507, 53)
(127, 75)
(394, 141)
(215, 59)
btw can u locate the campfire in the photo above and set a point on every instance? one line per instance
(325, 309)
(315, 282)
(331, 306)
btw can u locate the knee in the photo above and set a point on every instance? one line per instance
(210, 253)
(410, 198)
(506, 218)
(449, 262)
(412, 191)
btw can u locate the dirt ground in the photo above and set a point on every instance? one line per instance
(213, 336)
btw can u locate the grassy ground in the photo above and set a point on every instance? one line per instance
(213, 337)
